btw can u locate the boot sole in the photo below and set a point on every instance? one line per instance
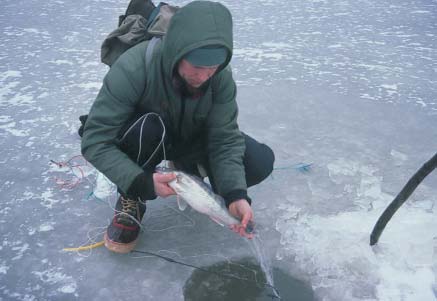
(118, 247)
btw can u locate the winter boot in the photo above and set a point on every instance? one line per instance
(122, 234)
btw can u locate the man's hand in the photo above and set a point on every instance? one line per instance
(160, 183)
(242, 211)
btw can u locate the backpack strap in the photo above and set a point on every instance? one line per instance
(149, 50)
(153, 14)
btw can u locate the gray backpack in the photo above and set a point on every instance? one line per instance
(142, 21)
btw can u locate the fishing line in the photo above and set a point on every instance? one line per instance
(255, 245)
(143, 120)
(91, 195)
(302, 167)
(222, 257)
(192, 222)
(68, 184)
(90, 244)
(72, 167)
(192, 256)
(229, 276)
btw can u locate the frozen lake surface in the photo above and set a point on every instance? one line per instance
(349, 86)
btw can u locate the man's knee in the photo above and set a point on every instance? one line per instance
(258, 160)
(269, 161)
(265, 163)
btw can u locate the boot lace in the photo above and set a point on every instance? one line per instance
(129, 206)
(128, 213)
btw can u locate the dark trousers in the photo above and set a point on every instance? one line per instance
(144, 141)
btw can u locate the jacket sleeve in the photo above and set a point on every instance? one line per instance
(226, 144)
(115, 104)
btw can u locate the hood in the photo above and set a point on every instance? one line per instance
(198, 24)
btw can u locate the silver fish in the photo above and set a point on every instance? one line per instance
(193, 191)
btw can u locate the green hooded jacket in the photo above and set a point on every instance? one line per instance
(129, 89)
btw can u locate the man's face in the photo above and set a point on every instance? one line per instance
(195, 76)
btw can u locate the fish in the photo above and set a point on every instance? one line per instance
(193, 191)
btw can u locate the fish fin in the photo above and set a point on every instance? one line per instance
(217, 220)
(181, 203)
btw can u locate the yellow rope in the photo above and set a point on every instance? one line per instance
(83, 248)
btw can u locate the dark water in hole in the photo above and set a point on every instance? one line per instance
(212, 287)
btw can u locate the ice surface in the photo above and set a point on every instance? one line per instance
(349, 86)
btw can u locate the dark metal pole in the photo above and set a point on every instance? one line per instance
(405, 193)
